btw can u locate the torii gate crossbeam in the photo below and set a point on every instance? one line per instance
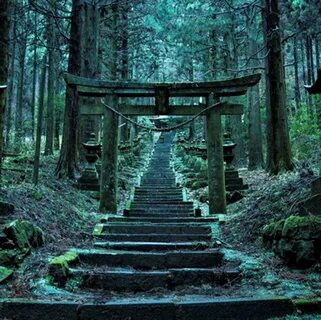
(212, 91)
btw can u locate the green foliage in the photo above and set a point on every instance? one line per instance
(37, 195)
(305, 132)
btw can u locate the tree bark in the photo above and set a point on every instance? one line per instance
(12, 75)
(50, 117)
(255, 146)
(36, 164)
(278, 144)
(19, 132)
(4, 53)
(67, 164)
(297, 92)
(34, 78)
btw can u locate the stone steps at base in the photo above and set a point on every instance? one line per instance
(162, 209)
(154, 219)
(154, 246)
(167, 203)
(159, 207)
(160, 188)
(151, 260)
(151, 193)
(158, 308)
(160, 237)
(135, 281)
(160, 214)
(151, 198)
(146, 228)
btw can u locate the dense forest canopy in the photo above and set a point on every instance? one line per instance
(161, 41)
(154, 41)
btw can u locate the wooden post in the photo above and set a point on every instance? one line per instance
(108, 185)
(216, 178)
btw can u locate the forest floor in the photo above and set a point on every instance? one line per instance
(269, 199)
(67, 216)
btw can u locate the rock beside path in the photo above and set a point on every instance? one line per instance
(296, 240)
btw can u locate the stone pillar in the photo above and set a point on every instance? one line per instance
(108, 185)
(216, 179)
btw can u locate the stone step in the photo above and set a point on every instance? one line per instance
(160, 214)
(154, 246)
(162, 192)
(147, 228)
(136, 281)
(155, 237)
(158, 197)
(159, 190)
(151, 260)
(161, 204)
(152, 219)
(174, 203)
(156, 308)
(155, 179)
(161, 174)
(149, 209)
(158, 185)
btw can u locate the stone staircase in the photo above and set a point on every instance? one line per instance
(150, 264)
(159, 245)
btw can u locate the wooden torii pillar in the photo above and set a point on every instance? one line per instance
(213, 91)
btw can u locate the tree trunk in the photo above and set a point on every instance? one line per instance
(12, 75)
(50, 117)
(296, 74)
(57, 130)
(89, 124)
(67, 164)
(278, 144)
(34, 79)
(39, 123)
(309, 66)
(4, 52)
(19, 132)
(255, 147)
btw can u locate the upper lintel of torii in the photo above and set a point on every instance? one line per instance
(221, 88)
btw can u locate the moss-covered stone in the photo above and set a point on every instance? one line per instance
(5, 273)
(295, 239)
(273, 230)
(24, 234)
(98, 230)
(306, 227)
(199, 184)
(59, 267)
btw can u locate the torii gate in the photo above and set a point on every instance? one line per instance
(212, 91)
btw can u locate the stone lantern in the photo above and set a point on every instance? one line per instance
(232, 179)
(89, 179)
(228, 150)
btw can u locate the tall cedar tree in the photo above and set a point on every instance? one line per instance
(278, 144)
(4, 44)
(67, 163)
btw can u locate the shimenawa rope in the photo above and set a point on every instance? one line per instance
(162, 129)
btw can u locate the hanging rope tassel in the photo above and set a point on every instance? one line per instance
(218, 104)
